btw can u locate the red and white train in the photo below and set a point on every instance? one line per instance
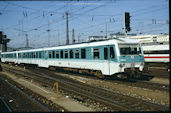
(155, 47)
(156, 52)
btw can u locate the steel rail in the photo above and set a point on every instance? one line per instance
(102, 92)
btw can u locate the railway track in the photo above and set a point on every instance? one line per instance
(141, 84)
(160, 70)
(14, 99)
(114, 101)
(4, 106)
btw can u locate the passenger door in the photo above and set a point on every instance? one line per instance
(112, 60)
(106, 58)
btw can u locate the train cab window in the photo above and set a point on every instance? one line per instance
(57, 54)
(50, 54)
(53, 54)
(66, 54)
(112, 54)
(62, 54)
(105, 53)
(77, 53)
(71, 53)
(96, 53)
(83, 53)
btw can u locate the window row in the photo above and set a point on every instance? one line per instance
(30, 55)
(9, 56)
(106, 53)
(67, 53)
(70, 53)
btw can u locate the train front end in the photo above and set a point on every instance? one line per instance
(131, 59)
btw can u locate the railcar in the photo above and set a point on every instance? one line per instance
(156, 52)
(155, 47)
(119, 57)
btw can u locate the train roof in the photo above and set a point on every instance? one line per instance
(85, 44)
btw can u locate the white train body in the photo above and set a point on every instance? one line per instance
(109, 56)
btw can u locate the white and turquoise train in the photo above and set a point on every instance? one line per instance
(110, 57)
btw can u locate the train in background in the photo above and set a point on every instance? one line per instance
(155, 47)
(156, 50)
(119, 57)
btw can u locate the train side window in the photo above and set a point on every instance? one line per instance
(83, 53)
(71, 53)
(32, 55)
(66, 54)
(36, 54)
(105, 53)
(112, 54)
(40, 55)
(96, 53)
(57, 54)
(53, 54)
(50, 54)
(62, 54)
(77, 53)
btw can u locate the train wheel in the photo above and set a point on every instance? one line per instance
(122, 76)
(52, 68)
(138, 74)
(99, 74)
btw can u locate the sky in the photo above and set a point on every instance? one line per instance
(86, 17)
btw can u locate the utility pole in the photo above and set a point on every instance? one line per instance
(79, 38)
(27, 41)
(106, 30)
(67, 31)
(48, 34)
(73, 37)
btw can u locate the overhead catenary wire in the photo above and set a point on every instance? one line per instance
(82, 26)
